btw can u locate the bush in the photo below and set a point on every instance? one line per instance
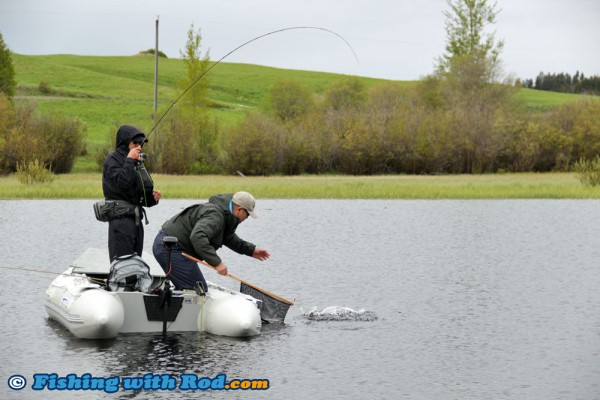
(347, 94)
(588, 170)
(184, 144)
(175, 149)
(580, 121)
(44, 88)
(32, 172)
(53, 140)
(152, 52)
(61, 139)
(250, 146)
(290, 100)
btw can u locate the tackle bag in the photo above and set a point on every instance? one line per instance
(105, 210)
(129, 274)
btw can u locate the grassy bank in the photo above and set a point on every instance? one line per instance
(499, 186)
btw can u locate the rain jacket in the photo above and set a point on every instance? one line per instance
(201, 229)
(123, 178)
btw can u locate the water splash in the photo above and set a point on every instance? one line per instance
(338, 313)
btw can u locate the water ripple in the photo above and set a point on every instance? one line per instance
(338, 313)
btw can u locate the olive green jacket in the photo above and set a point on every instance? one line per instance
(201, 229)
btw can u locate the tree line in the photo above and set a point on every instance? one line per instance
(436, 128)
(565, 83)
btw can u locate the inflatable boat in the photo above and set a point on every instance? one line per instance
(80, 300)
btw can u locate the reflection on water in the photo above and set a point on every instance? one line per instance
(464, 299)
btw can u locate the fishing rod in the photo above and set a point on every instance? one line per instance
(93, 280)
(236, 49)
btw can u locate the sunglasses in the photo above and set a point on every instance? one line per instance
(141, 144)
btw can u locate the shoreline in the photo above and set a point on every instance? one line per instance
(562, 185)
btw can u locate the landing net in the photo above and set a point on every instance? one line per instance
(272, 310)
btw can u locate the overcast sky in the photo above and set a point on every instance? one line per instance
(393, 39)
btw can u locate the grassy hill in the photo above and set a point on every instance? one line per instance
(106, 92)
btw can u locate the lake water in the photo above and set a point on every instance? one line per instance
(473, 299)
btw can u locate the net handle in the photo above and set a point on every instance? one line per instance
(266, 292)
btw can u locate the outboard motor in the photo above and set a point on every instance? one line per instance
(169, 242)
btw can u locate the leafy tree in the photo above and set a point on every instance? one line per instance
(7, 70)
(466, 38)
(187, 143)
(196, 67)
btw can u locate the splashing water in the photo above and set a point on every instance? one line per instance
(338, 313)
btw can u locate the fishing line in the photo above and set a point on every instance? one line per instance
(94, 280)
(236, 49)
(31, 270)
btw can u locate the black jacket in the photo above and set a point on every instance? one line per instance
(124, 178)
(203, 228)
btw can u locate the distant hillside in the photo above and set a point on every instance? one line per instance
(106, 91)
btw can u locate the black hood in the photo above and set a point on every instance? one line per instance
(126, 133)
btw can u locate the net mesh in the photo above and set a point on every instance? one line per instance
(271, 309)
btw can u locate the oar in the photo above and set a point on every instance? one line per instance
(242, 281)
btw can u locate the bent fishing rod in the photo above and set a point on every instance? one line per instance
(202, 75)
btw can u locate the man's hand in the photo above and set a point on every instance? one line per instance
(261, 254)
(134, 153)
(222, 269)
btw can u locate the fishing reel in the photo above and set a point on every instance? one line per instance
(143, 157)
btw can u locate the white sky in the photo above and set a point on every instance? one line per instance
(393, 39)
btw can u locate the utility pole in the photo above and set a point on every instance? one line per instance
(156, 70)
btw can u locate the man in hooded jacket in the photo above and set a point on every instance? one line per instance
(126, 180)
(201, 229)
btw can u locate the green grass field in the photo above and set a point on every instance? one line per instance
(493, 186)
(105, 92)
(542, 100)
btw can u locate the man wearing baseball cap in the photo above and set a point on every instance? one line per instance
(201, 229)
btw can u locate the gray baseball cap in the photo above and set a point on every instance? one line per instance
(246, 201)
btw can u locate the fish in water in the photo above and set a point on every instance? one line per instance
(339, 313)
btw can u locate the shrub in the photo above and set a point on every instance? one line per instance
(62, 138)
(32, 172)
(53, 140)
(347, 94)
(588, 170)
(44, 88)
(152, 52)
(580, 121)
(251, 145)
(290, 100)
